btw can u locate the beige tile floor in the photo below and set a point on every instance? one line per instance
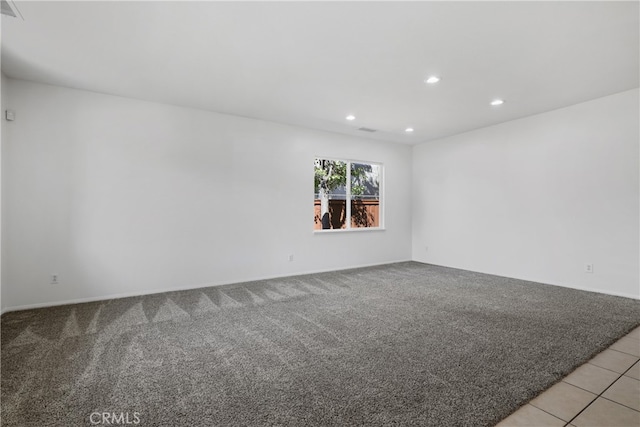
(604, 392)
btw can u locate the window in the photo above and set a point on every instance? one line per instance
(346, 194)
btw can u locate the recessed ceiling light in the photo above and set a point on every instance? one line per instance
(409, 130)
(433, 79)
(350, 117)
(497, 102)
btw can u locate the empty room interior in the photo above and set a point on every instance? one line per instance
(320, 213)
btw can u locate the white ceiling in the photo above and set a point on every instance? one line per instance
(311, 64)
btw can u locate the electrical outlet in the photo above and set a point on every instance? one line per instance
(291, 257)
(426, 248)
(54, 279)
(588, 268)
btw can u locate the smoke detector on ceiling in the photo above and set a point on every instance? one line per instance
(9, 8)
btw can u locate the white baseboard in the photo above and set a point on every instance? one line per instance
(528, 279)
(207, 285)
(181, 288)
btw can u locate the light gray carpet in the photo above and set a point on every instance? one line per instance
(402, 344)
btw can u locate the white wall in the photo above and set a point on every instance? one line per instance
(537, 198)
(3, 104)
(120, 196)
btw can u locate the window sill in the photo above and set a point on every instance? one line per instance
(348, 230)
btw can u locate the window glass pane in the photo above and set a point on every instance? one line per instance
(365, 195)
(330, 194)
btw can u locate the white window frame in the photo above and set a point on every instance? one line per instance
(381, 208)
